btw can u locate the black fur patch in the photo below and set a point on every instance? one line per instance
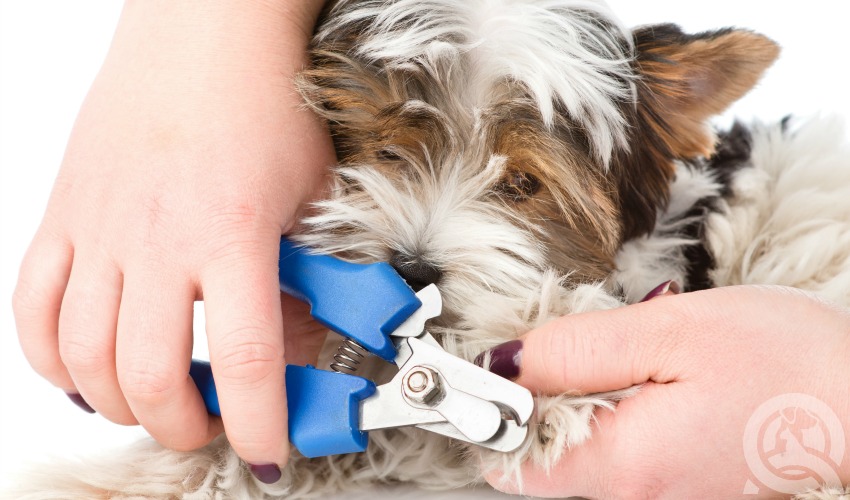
(733, 152)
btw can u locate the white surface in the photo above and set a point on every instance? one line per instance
(50, 51)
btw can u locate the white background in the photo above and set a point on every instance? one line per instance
(50, 50)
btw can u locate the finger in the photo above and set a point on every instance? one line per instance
(153, 353)
(304, 336)
(596, 351)
(87, 326)
(36, 304)
(244, 327)
(581, 471)
(619, 459)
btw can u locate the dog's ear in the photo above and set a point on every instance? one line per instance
(686, 79)
(682, 80)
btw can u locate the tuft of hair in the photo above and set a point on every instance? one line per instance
(571, 55)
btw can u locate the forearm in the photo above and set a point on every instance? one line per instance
(242, 35)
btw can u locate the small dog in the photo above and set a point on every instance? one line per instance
(535, 159)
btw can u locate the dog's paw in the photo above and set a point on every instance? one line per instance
(559, 423)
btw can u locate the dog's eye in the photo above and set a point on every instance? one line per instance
(518, 186)
(387, 154)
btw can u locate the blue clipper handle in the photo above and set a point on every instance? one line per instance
(365, 302)
(324, 411)
(324, 407)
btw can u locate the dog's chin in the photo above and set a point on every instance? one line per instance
(477, 318)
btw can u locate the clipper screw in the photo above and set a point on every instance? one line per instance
(422, 385)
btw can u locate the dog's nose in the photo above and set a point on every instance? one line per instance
(416, 272)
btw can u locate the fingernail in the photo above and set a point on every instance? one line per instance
(505, 359)
(79, 401)
(267, 473)
(667, 286)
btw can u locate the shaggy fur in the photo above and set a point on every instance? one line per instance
(536, 159)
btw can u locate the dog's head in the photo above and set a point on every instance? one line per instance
(482, 143)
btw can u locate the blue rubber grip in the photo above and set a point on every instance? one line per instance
(201, 373)
(324, 407)
(324, 411)
(365, 302)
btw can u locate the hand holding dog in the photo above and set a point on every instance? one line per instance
(189, 158)
(708, 360)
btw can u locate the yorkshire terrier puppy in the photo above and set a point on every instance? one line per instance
(533, 159)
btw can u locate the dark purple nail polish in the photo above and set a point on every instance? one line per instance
(267, 473)
(79, 401)
(505, 359)
(667, 286)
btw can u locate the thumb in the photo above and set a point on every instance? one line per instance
(597, 351)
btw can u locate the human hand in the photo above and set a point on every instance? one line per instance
(708, 361)
(190, 157)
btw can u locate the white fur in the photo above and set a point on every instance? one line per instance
(788, 222)
(556, 48)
